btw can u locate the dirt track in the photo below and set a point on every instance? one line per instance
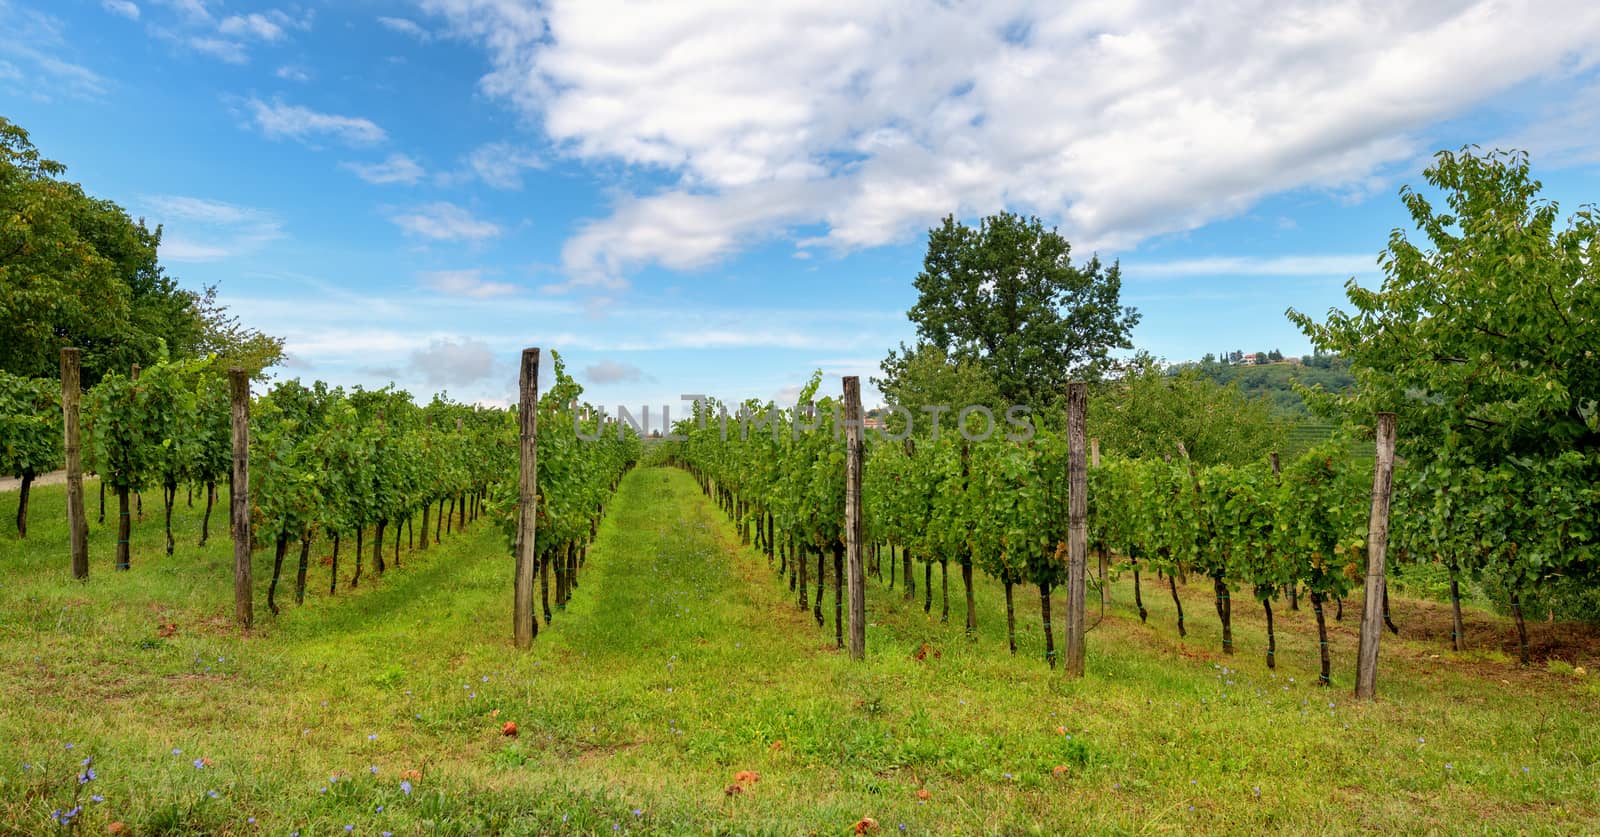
(52, 478)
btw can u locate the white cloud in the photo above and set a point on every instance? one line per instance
(443, 221)
(289, 72)
(397, 168)
(405, 27)
(453, 362)
(466, 283)
(253, 25)
(278, 120)
(222, 49)
(612, 372)
(500, 164)
(203, 230)
(36, 41)
(875, 117)
(1333, 265)
(125, 8)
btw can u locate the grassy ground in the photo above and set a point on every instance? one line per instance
(683, 661)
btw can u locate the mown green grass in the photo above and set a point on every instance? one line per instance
(683, 660)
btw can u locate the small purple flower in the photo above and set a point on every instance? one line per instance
(176, 751)
(372, 737)
(374, 769)
(638, 812)
(199, 764)
(349, 828)
(97, 798)
(212, 794)
(405, 787)
(251, 821)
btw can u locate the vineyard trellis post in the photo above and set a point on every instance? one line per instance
(1077, 524)
(77, 518)
(1377, 554)
(524, 624)
(853, 534)
(239, 497)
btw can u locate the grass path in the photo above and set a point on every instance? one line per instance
(682, 661)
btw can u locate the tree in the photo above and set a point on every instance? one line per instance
(1488, 329)
(1007, 297)
(1146, 412)
(30, 434)
(926, 377)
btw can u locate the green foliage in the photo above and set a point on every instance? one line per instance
(1007, 297)
(30, 425)
(1147, 412)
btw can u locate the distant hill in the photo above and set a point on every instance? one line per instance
(1275, 381)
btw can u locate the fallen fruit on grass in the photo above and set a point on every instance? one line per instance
(509, 730)
(922, 794)
(866, 825)
(1061, 730)
(733, 790)
(116, 827)
(1058, 770)
(412, 775)
(746, 777)
(776, 746)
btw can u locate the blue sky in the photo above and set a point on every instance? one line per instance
(720, 197)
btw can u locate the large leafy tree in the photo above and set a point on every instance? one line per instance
(1488, 329)
(1006, 295)
(79, 271)
(1147, 411)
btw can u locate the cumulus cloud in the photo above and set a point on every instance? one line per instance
(872, 118)
(612, 372)
(282, 121)
(397, 168)
(443, 221)
(500, 164)
(204, 230)
(466, 283)
(446, 363)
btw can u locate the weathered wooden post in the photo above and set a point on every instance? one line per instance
(853, 534)
(239, 498)
(77, 517)
(1377, 553)
(1077, 523)
(525, 626)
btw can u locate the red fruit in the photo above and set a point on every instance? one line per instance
(509, 730)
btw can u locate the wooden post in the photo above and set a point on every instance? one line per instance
(1094, 452)
(1077, 523)
(239, 498)
(525, 625)
(1377, 553)
(77, 518)
(853, 535)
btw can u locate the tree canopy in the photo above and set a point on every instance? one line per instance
(1006, 297)
(76, 270)
(1488, 330)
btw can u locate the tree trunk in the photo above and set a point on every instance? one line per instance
(1272, 638)
(927, 586)
(102, 500)
(798, 554)
(426, 507)
(972, 608)
(463, 514)
(377, 547)
(1011, 619)
(438, 521)
(190, 488)
(892, 567)
(1138, 599)
(1388, 622)
(300, 573)
(1172, 584)
(572, 569)
(450, 517)
(561, 578)
(1224, 612)
(169, 497)
(333, 573)
(1049, 633)
(22, 504)
(1458, 637)
(1338, 609)
(205, 522)
(399, 530)
(360, 532)
(822, 583)
(907, 579)
(944, 580)
(1522, 628)
(544, 585)
(411, 535)
(124, 529)
(277, 570)
(769, 538)
(1294, 595)
(838, 595)
(1317, 600)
